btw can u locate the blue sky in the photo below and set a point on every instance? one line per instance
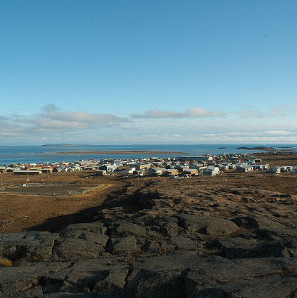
(148, 71)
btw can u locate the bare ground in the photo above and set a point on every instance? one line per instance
(20, 210)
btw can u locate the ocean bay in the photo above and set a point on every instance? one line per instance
(59, 153)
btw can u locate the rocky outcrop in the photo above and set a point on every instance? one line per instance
(150, 243)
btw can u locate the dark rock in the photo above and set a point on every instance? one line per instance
(50, 285)
(207, 225)
(150, 245)
(270, 286)
(30, 246)
(165, 225)
(75, 229)
(87, 276)
(125, 244)
(249, 222)
(81, 241)
(159, 247)
(115, 280)
(145, 199)
(290, 242)
(237, 248)
(261, 250)
(127, 228)
(26, 279)
(228, 244)
(160, 284)
(184, 243)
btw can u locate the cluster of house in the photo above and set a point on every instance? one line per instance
(184, 166)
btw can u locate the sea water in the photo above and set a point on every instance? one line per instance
(42, 154)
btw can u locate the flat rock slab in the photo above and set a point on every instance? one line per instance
(125, 244)
(238, 248)
(81, 241)
(177, 275)
(29, 246)
(208, 225)
(25, 279)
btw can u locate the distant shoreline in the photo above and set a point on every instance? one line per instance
(64, 145)
(264, 148)
(120, 152)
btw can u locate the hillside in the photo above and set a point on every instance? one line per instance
(228, 236)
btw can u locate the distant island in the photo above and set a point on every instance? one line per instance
(64, 145)
(256, 148)
(265, 148)
(120, 152)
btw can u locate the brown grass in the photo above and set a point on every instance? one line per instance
(19, 212)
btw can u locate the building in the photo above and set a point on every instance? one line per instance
(190, 172)
(261, 167)
(211, 171)
(48, 170)
(156, 171)
(286, 169)
(27, 172)
(108, 167)
(142, 166)
(2, 169)
(101, 172)
(245, 169)
(275, 170)
(171, 172)
(195, 158)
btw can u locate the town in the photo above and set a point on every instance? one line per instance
(174, 167)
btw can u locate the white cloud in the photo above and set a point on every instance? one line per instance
(196, 112)
(52, 125)
(213, 138)
(277, 132)
(250, 113)
(53, 119)
(282, 111)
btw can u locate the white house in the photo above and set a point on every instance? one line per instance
(211, 171)
(275, 170)
(156, 171)
(245, 169)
